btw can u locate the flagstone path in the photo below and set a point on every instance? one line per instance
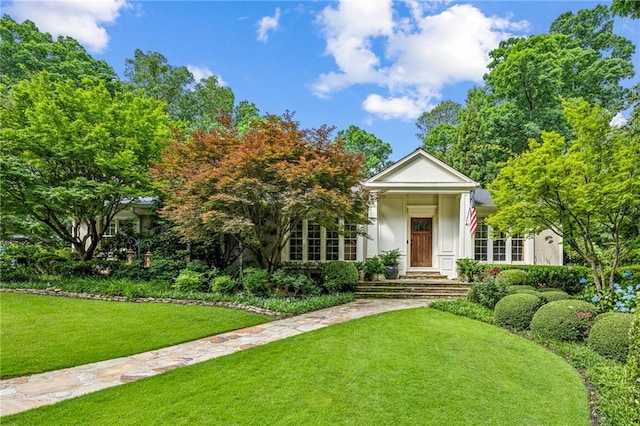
(23, 393)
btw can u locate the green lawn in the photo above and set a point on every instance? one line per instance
(413, 367)
(42, 333)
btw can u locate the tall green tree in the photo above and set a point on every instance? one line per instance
(258, 184)
(629, 8)
(444, 113)
(25, 51)
(202, 106)
(375, 151)
(75, 151)
(585, 189)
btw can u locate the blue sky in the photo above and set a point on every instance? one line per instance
(376, 64)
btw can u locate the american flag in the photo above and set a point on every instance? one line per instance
(473, 216)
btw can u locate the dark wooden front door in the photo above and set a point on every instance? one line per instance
(420, 241)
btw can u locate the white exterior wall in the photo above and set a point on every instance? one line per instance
(548, 249)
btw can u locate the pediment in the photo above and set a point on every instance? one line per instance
(419, 168)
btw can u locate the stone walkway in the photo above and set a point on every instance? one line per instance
(23, 393)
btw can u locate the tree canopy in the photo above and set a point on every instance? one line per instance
(25, 51)
(256, 185)
(375, 151)
(75, 151)
(584, 188)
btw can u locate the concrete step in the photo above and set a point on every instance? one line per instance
(379, 295)
(403, 288)
(423, 275)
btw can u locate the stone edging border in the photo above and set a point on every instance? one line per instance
(60, 293)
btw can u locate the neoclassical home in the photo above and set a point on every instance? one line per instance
(422, 207)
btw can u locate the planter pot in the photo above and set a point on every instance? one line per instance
(392, 272)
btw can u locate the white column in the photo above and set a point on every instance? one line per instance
(466, 241)
(372, 228)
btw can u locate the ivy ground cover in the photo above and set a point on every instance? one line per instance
(43, 333)
(417, 366)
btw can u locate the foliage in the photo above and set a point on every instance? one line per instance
(373, 266)
(375, 151)
(552, 296)
(390, 257)
(255, 281)
(437, 129)
(294, 284)
(584, 190)
(312, 270)
(224, 284)
(629, 8)
(609, 336)
(567, 320)
(620, 299)
(513, 289)
(339, 276)
(470, 269)
(25, 52)
(162, 269)
(512, 277)
(189, 280)
(76, 152)
(87, 268)
(515, 311)
(464, 308)
(257, 185)
(633, 365)
(296, 306)
(487, 292)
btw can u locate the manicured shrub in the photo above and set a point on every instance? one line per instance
(568, 320)
(224, 284)
(512, 277)
(256, 282)
(339, 276)
(513, 289)
(464, 308)
(515, 311)
(470, 269)
(295, 285)
(189, 280)
(552, 296)
(543, 276)
(487, 292)
(609, 336)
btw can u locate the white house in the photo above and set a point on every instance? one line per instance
(421, 206)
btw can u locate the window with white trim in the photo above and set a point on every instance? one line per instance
(112, 229)
(310, 242)
(502, 248)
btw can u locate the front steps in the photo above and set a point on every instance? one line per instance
(415, 285)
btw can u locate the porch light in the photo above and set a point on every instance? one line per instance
(130, 254)
(147, 259)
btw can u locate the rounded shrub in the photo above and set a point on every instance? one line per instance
(513, 289)
(224, 284)
(512, 277)
(515, 311)
(256, 282)
(568, 320)
(339, 276)
(609, 336)
(189, 281)
(487, 292)
(552, 296)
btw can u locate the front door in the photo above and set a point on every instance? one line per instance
(420, 241)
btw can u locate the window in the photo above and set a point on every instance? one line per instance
(501, 248)
(295, 243)
(482, 236)
(111, 230)
(309, 242)
(517, 248)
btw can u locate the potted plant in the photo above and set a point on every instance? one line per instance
(373, 269)
(390, 259)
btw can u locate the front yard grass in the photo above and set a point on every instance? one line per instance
(411, 367)
(43, 333)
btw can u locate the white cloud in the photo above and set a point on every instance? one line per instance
(268, 24)
(82, 20)
(618, 120)
(410, 57)
(199, 73)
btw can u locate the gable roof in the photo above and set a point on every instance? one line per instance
(421, 171)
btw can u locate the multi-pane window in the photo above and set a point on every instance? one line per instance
(311, 242)
(295, 242)
(517, 248)
(350, 242)
(111, 230)
(482, 236)
(501, 248)
(332, 245)
(315, 242)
